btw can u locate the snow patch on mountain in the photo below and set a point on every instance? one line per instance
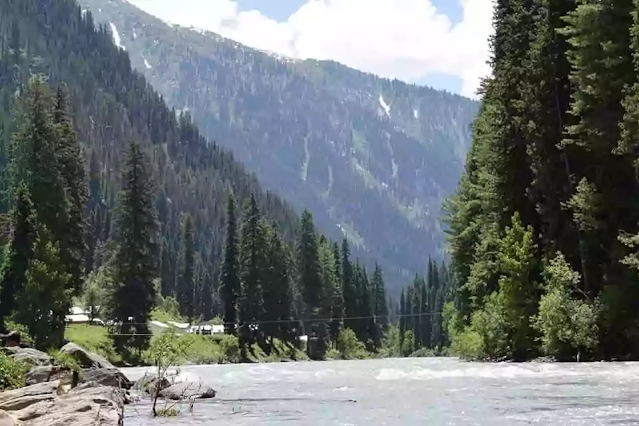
(116, 36)
(384, 105)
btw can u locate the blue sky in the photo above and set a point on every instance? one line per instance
(280, 10)
(439, 43)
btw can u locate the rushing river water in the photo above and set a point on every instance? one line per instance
(425, 391)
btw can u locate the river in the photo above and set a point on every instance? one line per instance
(414, 391)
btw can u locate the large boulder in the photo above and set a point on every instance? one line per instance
(43, 373)
(89, 404)
(106, 377)
(188, 390)
(85, 358)
(29, 355)
(149, 382)
(19, 399)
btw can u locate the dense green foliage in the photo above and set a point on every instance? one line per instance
(281, 296)
(420, 311)
(112, 105)
(41, 272)
(12, 373)
(149, 211)
(135, 257)
(371, 158)
(543, 226)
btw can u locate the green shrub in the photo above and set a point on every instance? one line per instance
(349, 347)
(230, 348)
(12, 373)
(392, 344)
(25, 337)
(492, 325)
(567, 325)
(202, 349)
(65, 360)
(217, 321)
(468, 345)
(167, 412)
(408, 344)
(423, 353)
(332, 354)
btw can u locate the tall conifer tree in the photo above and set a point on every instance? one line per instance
(187, 277)
(135, 262)
(229, 276)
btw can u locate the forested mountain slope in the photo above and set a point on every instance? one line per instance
(371, 158)
(111, 105)
(545, 223)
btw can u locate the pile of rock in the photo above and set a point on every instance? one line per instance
(49, 400)
(52, 399)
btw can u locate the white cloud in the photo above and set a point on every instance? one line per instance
(404, 39)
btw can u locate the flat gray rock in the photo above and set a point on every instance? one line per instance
(90, 404)
(29, 355)
(19, 399)
(106, 377)
(188, 390)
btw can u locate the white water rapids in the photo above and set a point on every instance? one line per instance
(425, 391)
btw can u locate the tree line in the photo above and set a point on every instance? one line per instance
(111, 104)
(544, 224)
(191, 180)
(270, 289)
(420, 308)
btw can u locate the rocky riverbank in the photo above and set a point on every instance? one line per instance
(91, 395)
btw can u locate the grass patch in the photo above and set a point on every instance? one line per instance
(93, 338)
(214, 349)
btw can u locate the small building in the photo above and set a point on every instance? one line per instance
(80, 316)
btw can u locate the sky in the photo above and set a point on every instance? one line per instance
(439, 43)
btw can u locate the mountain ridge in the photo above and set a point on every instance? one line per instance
(372, 158)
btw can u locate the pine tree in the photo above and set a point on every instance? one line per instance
(135, 262)
(70, 161)
(313, 295)
(602, 75)
(187, 276)
(277, 297)
(252, 274)
(35, 161)
(348, 287)
(93, 210)
(402, 315)
(46, 298)
(380, 307)
(229, 278)
(331, 288)
(336, 295)
(18, 254)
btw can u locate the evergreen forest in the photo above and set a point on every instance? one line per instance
(544, 224)
(113, 200)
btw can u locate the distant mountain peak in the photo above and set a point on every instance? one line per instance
(372, 158)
